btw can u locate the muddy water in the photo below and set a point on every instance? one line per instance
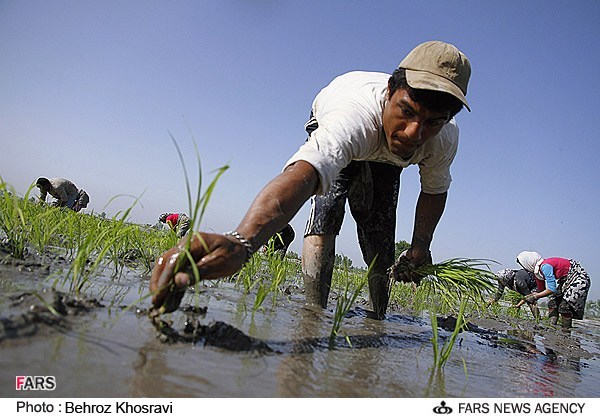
(95, 348)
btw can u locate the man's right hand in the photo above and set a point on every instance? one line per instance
(215, 256)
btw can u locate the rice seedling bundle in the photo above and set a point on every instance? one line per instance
(455, 277)
(513, 297)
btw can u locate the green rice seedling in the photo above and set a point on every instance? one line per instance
(82, 268)
(402, 294)
(197, 207)
(113, 235)
(96, 239)
(346, 298)
(35, 293)
(444, 284)
(148, 244)
(277, 267)
(118, 235)
(246, 277)
(294, 268)
(72, 236)
(12, 219)
(117, 248)
(442, 354)
(512, 298)
(514, 312)
(265, 273)
(507, 305)
(495, 309)
(279, 272)
(135, 246)
(45, 224)
(262, 290)
(416, 298)
(45, 303)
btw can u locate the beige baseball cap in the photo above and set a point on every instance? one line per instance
(438, 66)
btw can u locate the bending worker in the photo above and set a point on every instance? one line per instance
(178, 222)
(364, 128)
(64, 191)
(520, 281)
(564, 282)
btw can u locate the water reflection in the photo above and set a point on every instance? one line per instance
(390, 358)
(547, 373)
(359, 364)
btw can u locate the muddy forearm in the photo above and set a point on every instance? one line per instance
(428, 213)
(278, 202)
(544, 293)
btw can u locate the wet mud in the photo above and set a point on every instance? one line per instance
(217, 334)
(108, 341)
(38, 312)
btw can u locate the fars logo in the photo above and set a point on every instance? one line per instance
(36, 383)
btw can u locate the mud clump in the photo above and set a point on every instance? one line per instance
(39, 312)
(24, 264)
(217, 334)
(448, 322)
(220, 334)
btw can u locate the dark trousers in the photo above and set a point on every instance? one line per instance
(371, 189)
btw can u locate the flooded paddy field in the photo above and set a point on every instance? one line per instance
(105, 342)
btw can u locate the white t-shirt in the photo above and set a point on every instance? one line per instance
(349, 114)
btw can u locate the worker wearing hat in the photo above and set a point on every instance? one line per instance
(364, 128)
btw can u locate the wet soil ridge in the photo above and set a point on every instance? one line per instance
(494, 338)
(21, 263)
(555, 344)
(39, 312)
(216, 334)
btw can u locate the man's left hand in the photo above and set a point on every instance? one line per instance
(531, 298)
(404, 268)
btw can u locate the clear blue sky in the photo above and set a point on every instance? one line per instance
(90, 90)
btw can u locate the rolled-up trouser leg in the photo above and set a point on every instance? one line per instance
(323, 225)
(552, 314)
(566, 321)
(379, 292)
(318, 255)
(554, 302)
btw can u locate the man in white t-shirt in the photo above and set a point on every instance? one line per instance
(364, 128)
